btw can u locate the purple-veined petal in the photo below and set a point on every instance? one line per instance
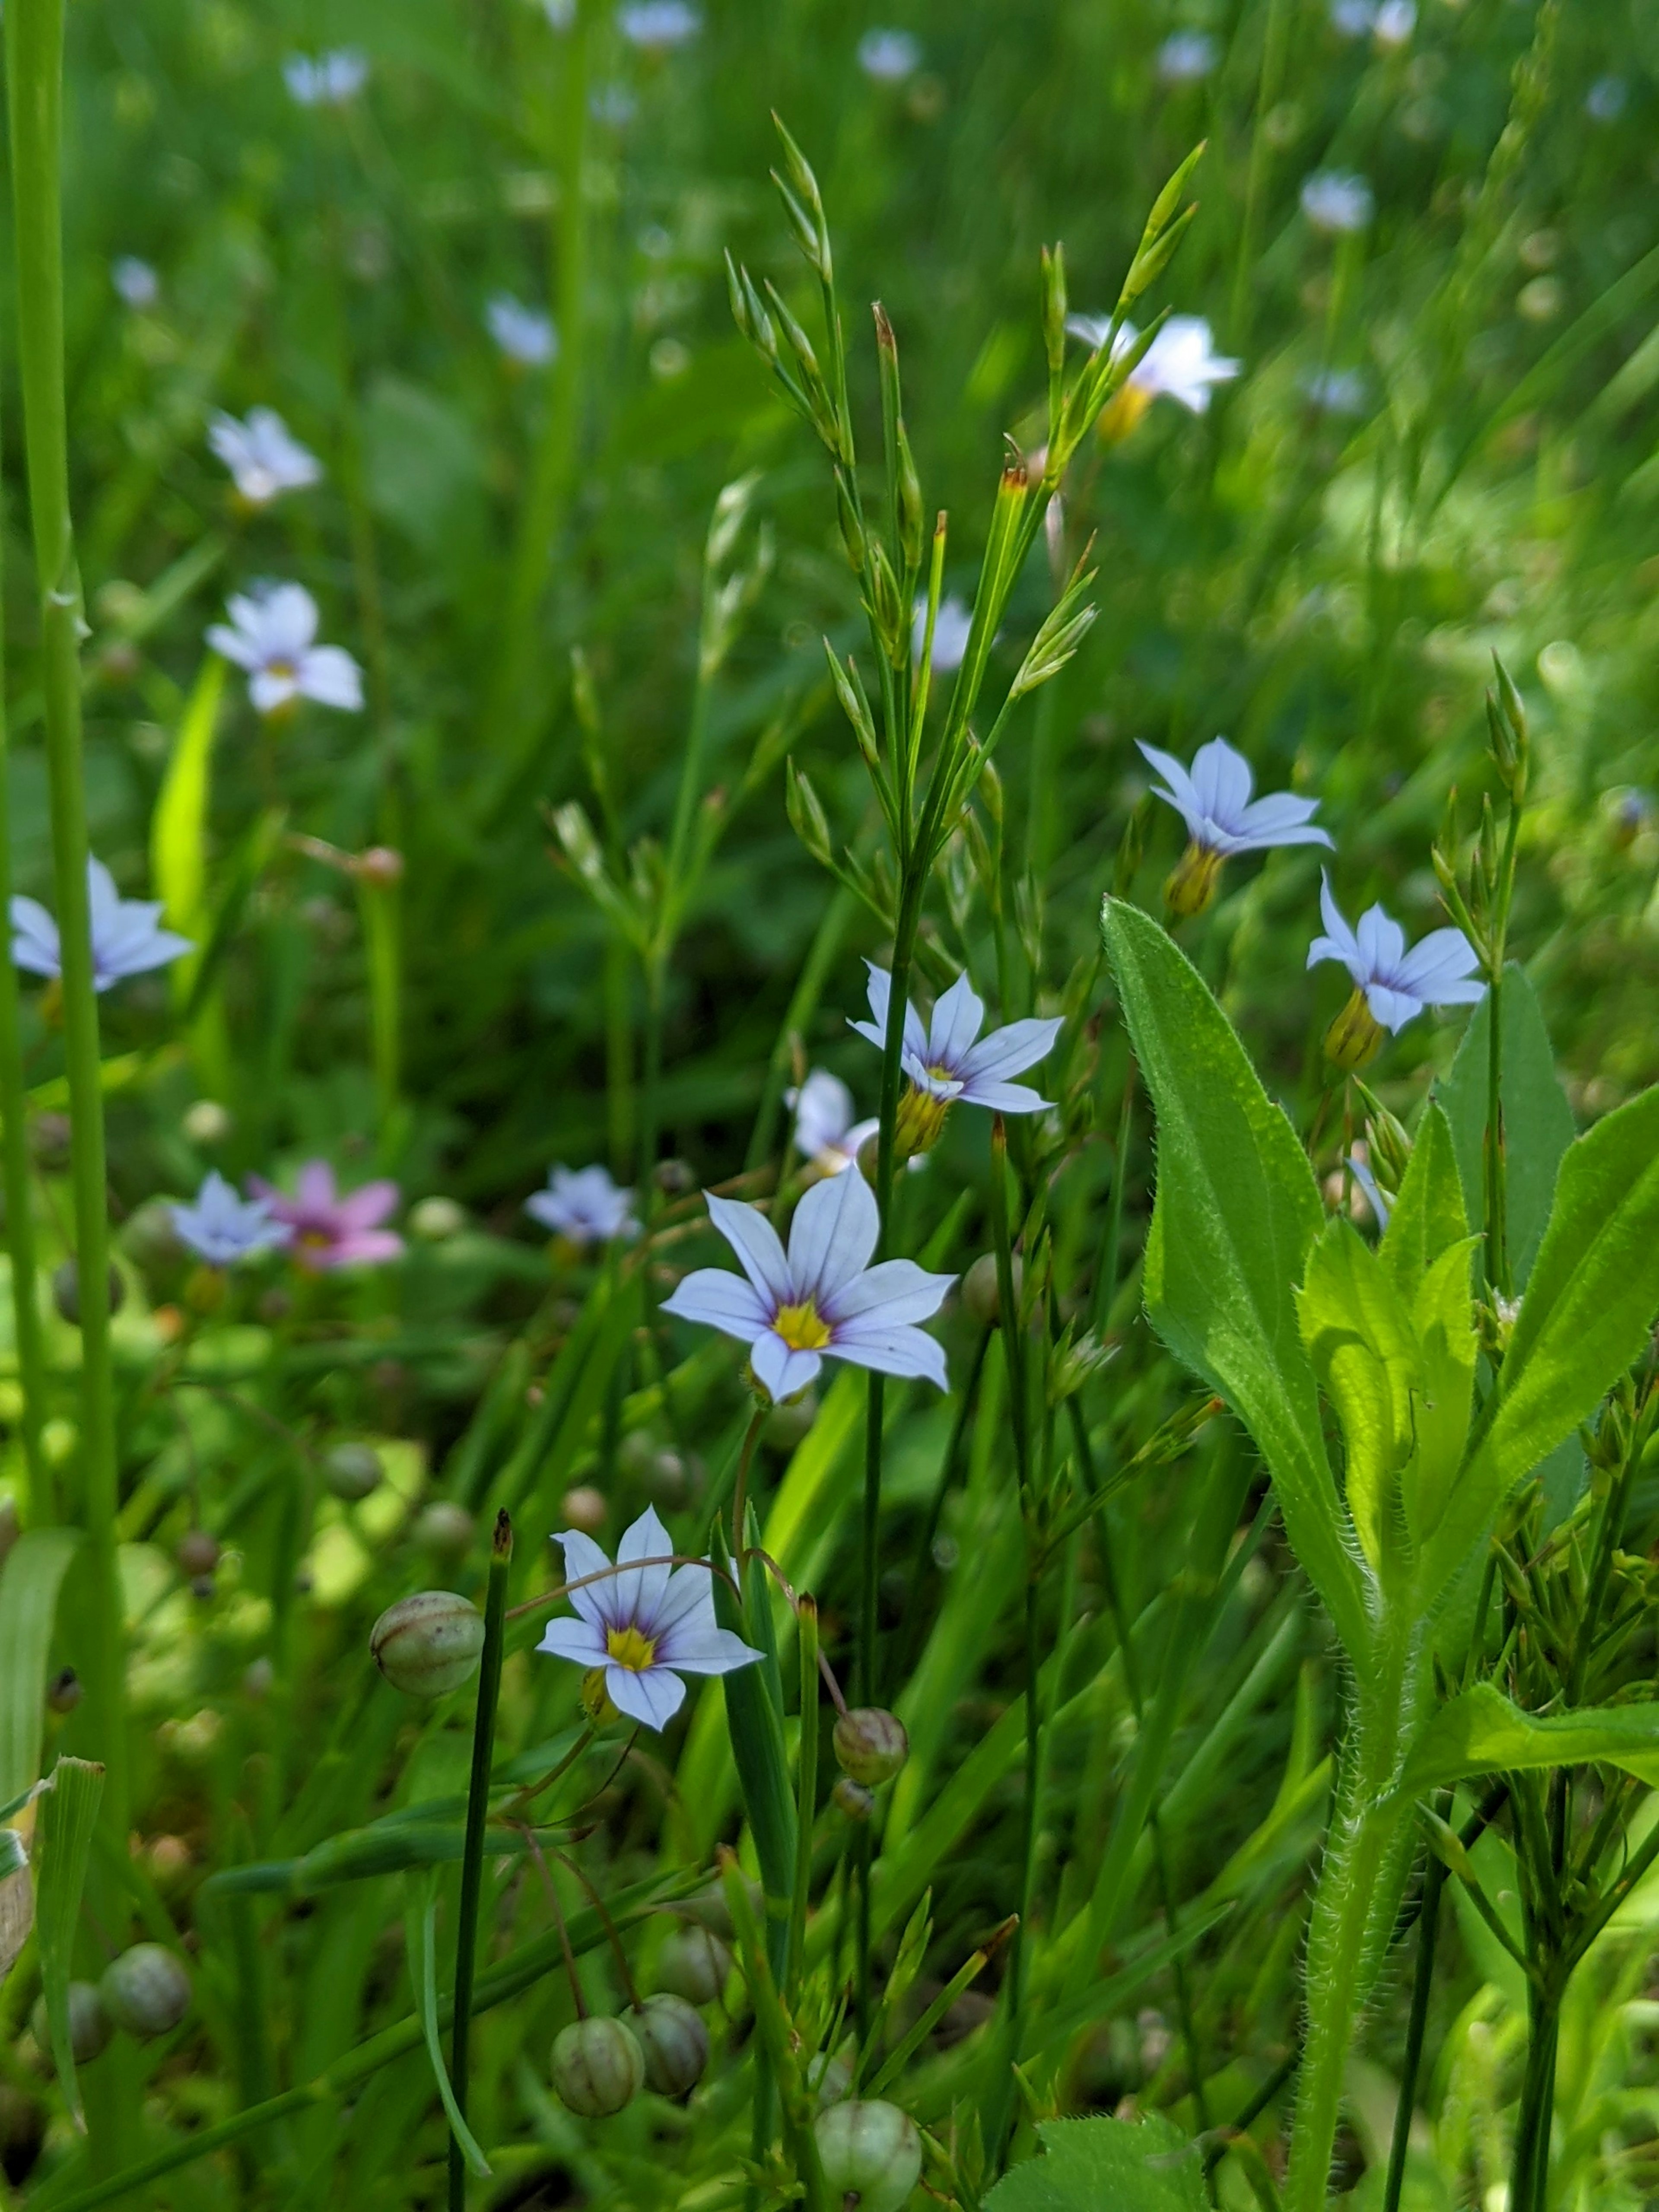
(1179, 792)
(1382, 942)
(639, 1590)
(697, 1651)
(779, 1368)
(900, 1350)
(582, 1558)
(687, 1605)
(721, 1300)
(578, 1640)
(1010, 1051)
(652, 1695)
(1444, 957)
(1393, 1009)
(1338, 943)
(895, 1290)
(755, 1241)
(831, 1237)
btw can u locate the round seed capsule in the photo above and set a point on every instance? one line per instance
(598, 2067)
(871, 1745)
(694, 1964)
(982, 1293)
(428, 1645)
(90, 2028)
(444, 1528)
(66, 1292)
(853, 1799)
(198, 1553)
(146, 1990)
(675, 2043)
(870, 2154)
(352, 1471)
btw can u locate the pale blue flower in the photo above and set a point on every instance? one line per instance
(826, 1133)
(952, 627)
(221, 1228)
(262, 455)
(1215, 802)
(888, 57)
(330, 80)
(1186, 58)
(524, 334)
(127, 938)
(1397, 985)
(135, 281)
(948, 1060)
(272, 634)
(658, 24)
(1336, 201)
(583, 1205)
(1180, 363)
(1606, 100)
(1381, 1207)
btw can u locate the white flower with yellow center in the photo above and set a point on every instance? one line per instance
(822, 1299)
(638, 1629)
(272, 634)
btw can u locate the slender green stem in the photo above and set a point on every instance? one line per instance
(477, 1811)
(1529, 2176)
(806, 1792)
(821, 957)
(379, 904)
(1434, 1881)
(1111, 1243)
(740, 1488)
(1497, 1252)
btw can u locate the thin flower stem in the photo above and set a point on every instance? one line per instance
(477, 1814)
(740, 1491)
(806, 1792)
(1434, 1881)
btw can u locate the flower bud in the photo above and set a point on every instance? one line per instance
(206, 1122)
(146, 1990)
(1354, 1037)
(444, 1528)
(197, 1553)
(675, 2044)
(428, 1645)
(66, 1292)
(435, 1219)
(598, 2067)
(379, 865)
(49, 1141)
(982, 1293)
(90, 2024)
(871, 1745)
(1192, 880)
(352, 1471)
(788, 1425)
(694, 1964)
(853, 1799)
(871, 2155)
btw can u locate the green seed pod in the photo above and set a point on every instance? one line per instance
(675, 2042)
(636, 1455)
(445, 1528)
(870, 2154)
(146, 1990)
(789, 1424)
(981, 1292)
(91, 2026)
(871, 1745)
(694, 1964)
(598, 2067)
(352, 1471)
(853, 1799)
(428, 1645)
(830, 2077)
(66, 1292)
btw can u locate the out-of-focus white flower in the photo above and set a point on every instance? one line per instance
(584, 1204)
(271, 632)
(1392, 985)
(1222, 818)
(330, 80)
(262, 455)
(657, 25)
(826, 1133)
(1335, 390)
(638, 1631)
(127, 938)
(135, 281)
(1186, 58)
(221, 1228)
(1336, 201)
(1395, 21)
(1354, 19)
(889, 57)
(1607, 98)
(948, 1063)
(524, 334)
(1180, 363)
(821, 1300)
(952, 627)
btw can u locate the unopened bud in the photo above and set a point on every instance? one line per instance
(584, 1508)
(1053, 308)
(90, 2025)
(198, 1552)
(66, 1292)
(674, 2043)
(673, 1178)
(435, 1219)
(789, 1424)
(1192, 880)
(1355, 1036)
(146, 1990)
(598, 2067)
(428, 1645)
(885, 602)
(871, 1745)
(444, 1528)
(913, 516)
(871, 2155)
(982, 1290)
(694, 1964)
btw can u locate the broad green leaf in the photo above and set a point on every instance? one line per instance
(1538, 1124)
(1482, 1733)
(68, 1811)
(1106, 2166)
(1429, 1214)
(420, 1942)
(1236, 1214)
(1359, 1337)
(179, 830)
(29, 1582)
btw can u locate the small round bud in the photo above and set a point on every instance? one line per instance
(584, 1508)
(871, 1745)
(830, 2075)
(435, 1219)
(257, 1679)
(352, 1471)
(90, 2025)
(146, 1990)
(636, 1455)
(673, 1178)
(982, 1293)
(49, 1141)
(428, 1645)
(598, 2067)
(675, 2044)
(169, 1861)
(668, 1481)
(379, 865)
(198, 1552)
(694, 1964)
(445, 1528)
(853, 1799)
(149, 1237)
(66, 1292)
(871, 2155)
(206, 1122)
(789, 1424)
(65, 1692)
(202, 1586)
(60, 1440)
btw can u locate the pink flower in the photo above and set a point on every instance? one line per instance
(331, 1231)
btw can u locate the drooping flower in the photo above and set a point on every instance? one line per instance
(262, 455)
(656, 25)
(127, 938)
(826, 1133)
(328, 79)
(1180, 364)
(1392, 985)
(948, 1063)
(821, 1300)
(1336, 201)
(1222, 818)
(271, 634)
(637, 1632)
(952, 627)
(331, 1231)
(583, 1205)
(888, 57)
(525, 335)
(221, 1228)
(1186, 58)
(135, 281)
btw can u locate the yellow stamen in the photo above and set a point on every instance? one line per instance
(1192, 881)
(1355, 1036)
(629, 1647)
(802, 1327)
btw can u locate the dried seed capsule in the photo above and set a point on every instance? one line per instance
(675, 2044)
(352, 1471)
(694, 1964)
(90, 2028)
(870, 2154)
(146, 1990)
(871, 1745)
(66, 1292)
(428, 1645)
(598, 2067)
(853, 1799)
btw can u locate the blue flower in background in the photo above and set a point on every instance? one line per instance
(221, 1228)
(127, 938)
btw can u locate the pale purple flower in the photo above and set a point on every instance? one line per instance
(1186, 58)
(127, 938)
(1335, 390)
(1395, 21)
(1397, 985)
(1215, 802)
(1336, 200)
(584, 1204)
(888, 57)
(221, 1228)
(524, 334)
(135, 281)
(952, 627)
(262, 455)
(1606, 100)
(822, 1299)
(1180, 363)
(947, 1059)
(329, 80)
(332, 1231)
(644, 1628)
(826, 1133)
(657, 25)
(272, 634)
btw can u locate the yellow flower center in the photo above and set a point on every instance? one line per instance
(802, 1327)
(629, 1648)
